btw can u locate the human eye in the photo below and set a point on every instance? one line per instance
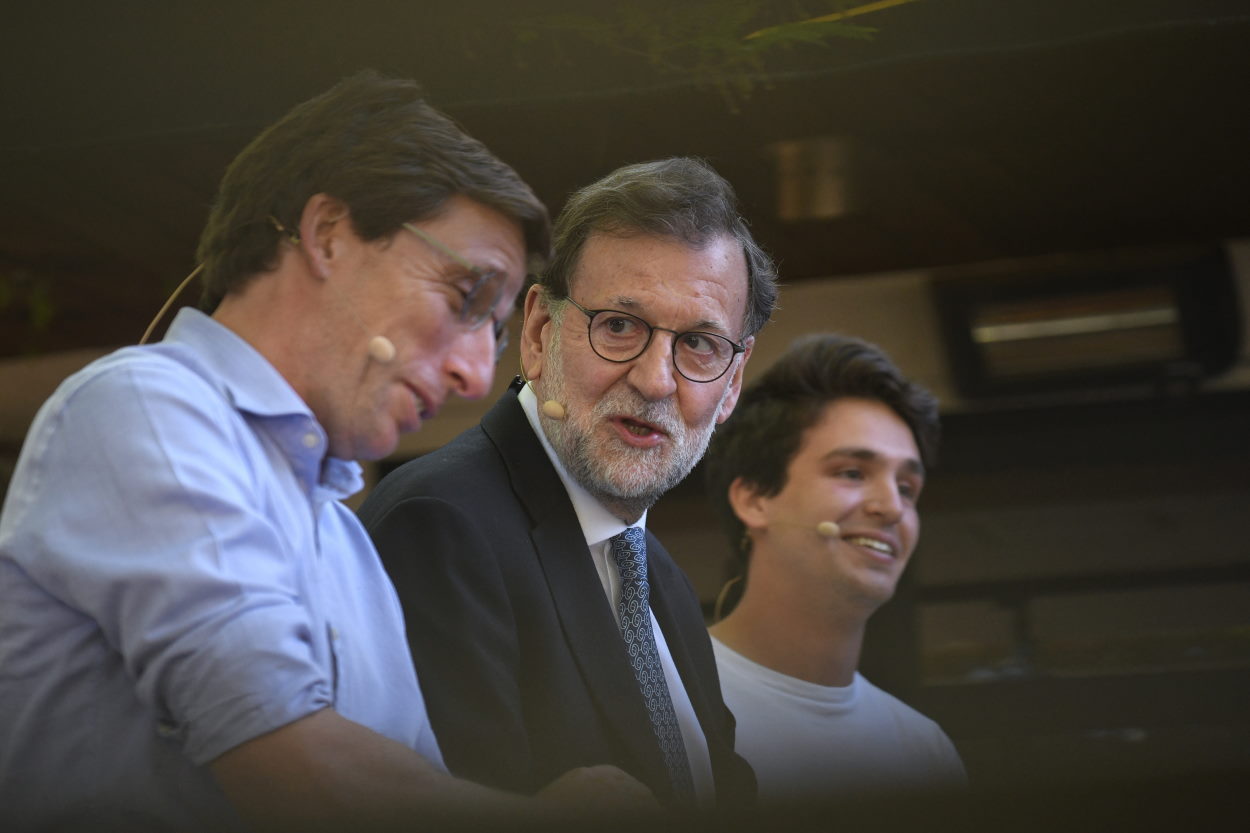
(701, 344)
(481, 293)
(618, 327)
(463, 286)
(910, 489)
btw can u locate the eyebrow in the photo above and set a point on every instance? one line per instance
(627, 304)
(867, 455)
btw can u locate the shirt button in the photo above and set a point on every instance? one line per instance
(310, 440)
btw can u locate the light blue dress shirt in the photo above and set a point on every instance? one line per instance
(177, 577)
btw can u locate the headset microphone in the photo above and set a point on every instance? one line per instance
(550, 408)
(828, 529)
(381, 349)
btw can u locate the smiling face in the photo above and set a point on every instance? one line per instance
(411, 293)
(859, 467)
(634, 429)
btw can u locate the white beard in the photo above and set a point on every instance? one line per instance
(626, 479)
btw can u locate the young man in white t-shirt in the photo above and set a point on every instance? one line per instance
(818, 474)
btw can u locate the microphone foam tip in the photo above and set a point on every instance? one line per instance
(381, 349)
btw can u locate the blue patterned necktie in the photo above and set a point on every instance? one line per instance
(629, 549)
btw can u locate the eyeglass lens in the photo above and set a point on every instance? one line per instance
(481, 298)
(620, 337)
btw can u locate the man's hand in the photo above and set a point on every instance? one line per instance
(598, 791)
(325, 772)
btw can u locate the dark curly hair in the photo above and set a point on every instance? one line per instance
(762, 436)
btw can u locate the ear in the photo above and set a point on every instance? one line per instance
(748, 504)
(735, 381)
(535, 332)
(325, 229)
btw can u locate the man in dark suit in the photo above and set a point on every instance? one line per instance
(549, 629)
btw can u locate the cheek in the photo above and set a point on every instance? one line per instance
(911, 525)
(588, 381)
(700, 403)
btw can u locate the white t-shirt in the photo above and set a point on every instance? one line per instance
(809, 741)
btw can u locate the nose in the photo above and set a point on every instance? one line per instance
(884, 501)
(652, 374)
(470, 363)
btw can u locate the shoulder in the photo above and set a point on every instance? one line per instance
(464, 470)
(122, 411)
(497, 463)
(135, 375)
(900, 713)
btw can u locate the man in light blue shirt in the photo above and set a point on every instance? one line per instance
(194, 632)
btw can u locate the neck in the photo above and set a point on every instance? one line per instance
(271, 313)
(629, 512)
(790, 631)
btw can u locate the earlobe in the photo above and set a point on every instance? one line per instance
(533, 328)
(321, 231)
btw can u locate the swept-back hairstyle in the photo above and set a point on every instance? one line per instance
(375, 144)
(766, 429)
(681, 198)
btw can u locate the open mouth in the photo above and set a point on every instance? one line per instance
(422, 407)
(638, 429)
(637, 433)
(872, 544)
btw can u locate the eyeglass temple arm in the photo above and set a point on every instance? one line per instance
(460, 261)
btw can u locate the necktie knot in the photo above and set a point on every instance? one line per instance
(629, 550)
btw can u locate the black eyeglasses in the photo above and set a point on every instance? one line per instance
(621, 337)
(479, 301)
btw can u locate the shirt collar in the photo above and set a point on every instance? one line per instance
(254, 386)
(597, 523)
(247, 378)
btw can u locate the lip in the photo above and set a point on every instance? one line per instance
(892, 555)
(621, 424)
(431, 407)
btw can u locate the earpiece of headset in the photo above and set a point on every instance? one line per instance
(381, 349)
(550, 408)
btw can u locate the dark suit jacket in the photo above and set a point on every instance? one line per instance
(523, 669)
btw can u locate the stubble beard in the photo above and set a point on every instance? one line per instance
(625, 479)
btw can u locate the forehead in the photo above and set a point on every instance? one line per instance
(660, 276)
(479, 233)
(863, 425)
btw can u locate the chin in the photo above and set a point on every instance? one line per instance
(378, 445)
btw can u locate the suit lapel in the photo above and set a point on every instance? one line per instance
(667, 581)
(576, 591)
